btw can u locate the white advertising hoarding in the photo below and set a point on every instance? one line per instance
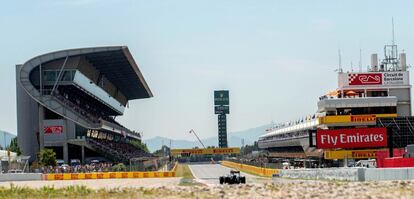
(394, 78)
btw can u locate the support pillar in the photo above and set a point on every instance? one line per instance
(83, 154)
(41, 128)
(65, 153)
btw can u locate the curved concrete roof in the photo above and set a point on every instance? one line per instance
(114, 62)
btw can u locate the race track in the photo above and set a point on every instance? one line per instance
(209, 174)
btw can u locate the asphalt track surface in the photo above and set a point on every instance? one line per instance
(209, 174)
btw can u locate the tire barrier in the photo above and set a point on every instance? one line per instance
(110, 175)
(260, 171)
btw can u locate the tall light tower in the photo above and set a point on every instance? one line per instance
(221, 108)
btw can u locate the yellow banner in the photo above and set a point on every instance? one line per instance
(351, 154)
(108, 175)
(233, 150)
(265, 172)
(352, 118)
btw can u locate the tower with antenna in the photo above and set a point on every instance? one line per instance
(391, 59)
(360, 60)
(339, 61)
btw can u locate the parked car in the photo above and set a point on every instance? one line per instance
(60, 162)
(75, 162)
(371, 163)
(15, 171)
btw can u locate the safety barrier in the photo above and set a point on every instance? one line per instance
(110, 175)
(350, 174)
(260, 171)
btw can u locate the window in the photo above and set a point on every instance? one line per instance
(52, 75)
(49, 75)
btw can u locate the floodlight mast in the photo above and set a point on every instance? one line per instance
(192, 131)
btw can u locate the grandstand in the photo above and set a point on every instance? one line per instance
(68, 101)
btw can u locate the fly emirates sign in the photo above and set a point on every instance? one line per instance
(351, 138)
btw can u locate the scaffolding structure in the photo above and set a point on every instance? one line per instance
(14, 164)
(401, 130)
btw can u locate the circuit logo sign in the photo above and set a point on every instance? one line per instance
(53, 129)
(365, 79)
(351, 138)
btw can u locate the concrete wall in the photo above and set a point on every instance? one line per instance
(389, 174)
(20, 177)
(404, 100)
(70, 129)
(27, 120)
(350, 174)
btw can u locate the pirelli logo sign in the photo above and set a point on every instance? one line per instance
(363, 118)
(353, 119)
(351, 154)
(187, 152)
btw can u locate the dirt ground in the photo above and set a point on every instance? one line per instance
(99, 183)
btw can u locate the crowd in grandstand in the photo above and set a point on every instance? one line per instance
(91, 111)
(86, 168)
(121, 151)
(87, 111)
(286, 136)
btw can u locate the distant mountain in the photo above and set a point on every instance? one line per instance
(234, 139)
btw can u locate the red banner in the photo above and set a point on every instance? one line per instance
(351, 138)
(365, 78)
(53, 129)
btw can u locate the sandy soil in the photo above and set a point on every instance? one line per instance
(101, 183)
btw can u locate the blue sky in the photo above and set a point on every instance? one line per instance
(275, 57)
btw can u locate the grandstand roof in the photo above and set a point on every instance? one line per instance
(114, 62)
(120, 68)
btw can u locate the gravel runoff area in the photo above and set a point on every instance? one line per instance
(170, 188)
(99, 183)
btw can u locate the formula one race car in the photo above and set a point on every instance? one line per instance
(233, 178)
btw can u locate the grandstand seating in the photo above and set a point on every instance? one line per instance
(119, 151)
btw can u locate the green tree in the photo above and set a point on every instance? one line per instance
(165, 150)
(248, 149)
(14, 146)
(139, 145)
(47, 157)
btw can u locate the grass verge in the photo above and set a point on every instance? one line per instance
(187, 176)
(85, 192)
(184, 171)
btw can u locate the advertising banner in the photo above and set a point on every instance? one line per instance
(375, 78)
(363, 118)
(395, 78)
(206, 151)
(353, 119)
(365, 79)
(221, 110)
(221, 98)
(352, 154)
(351, 138)
(53, 129)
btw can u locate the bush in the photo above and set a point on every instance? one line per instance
(139, 145)
(119, 167)
(47, 157)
